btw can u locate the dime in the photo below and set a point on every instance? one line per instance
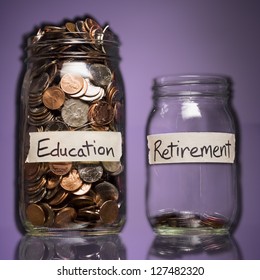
(90, 173)
(60, 168)
(109, 212)
(75, 112)
(99, 95)
(35, 214)
(65, 216)
(100, 74)
(71, 83)
(72, 181)
(53, 98)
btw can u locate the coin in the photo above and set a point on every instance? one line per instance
(90, 173)
(83, 189)
(71, 83)
(100, 74)
(65, 216)
(105, 191)
(112, 166)
(56, 126)
(35, 214)
(70, 26)
(39, 83)
(109, 212)
(101, 113)
(53, 98)
(75, 112)
(82, 91)
(60, 168)
(53, 181)
(82, 201)
(49, 214)
(31, 170)
(88, 214)
(59, 197)
(72, 181)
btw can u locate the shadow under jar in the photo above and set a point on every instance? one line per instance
(72, 127)
(191, 169)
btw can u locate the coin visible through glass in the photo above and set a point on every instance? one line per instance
(53, 98)
(71, 83)
(75, 112)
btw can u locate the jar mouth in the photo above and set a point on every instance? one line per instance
(191, 85)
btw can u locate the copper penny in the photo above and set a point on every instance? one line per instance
(53, 98)
(72, 83)
(70, 26)
(35, 214)
(101, 113)
(72, 181)
(60, 168)
(109, 212)
(65, 216)
(53, 181)
(31, 170)
(58, 197)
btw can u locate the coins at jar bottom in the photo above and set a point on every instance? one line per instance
(35, 214)
(188, 220)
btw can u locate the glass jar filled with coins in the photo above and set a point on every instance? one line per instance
(72, 127)
(191, 168)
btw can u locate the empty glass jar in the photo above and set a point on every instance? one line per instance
(71, 172)
(191, 169)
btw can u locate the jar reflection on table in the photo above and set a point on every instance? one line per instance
(67, 247)
(72, 159)
(194, 247)
(191, 173)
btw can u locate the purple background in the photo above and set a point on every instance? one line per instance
(158, 37)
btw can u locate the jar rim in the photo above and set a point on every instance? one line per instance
(190, 79)
(191, 84)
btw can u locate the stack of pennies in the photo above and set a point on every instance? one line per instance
(184, 219)
(74, 84)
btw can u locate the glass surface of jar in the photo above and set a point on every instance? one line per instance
(72, 127)
(191, 168)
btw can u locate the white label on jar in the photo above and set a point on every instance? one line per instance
(58, 146)
(191, 147)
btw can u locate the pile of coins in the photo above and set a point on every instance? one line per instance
(73, 85)
(189, 220)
